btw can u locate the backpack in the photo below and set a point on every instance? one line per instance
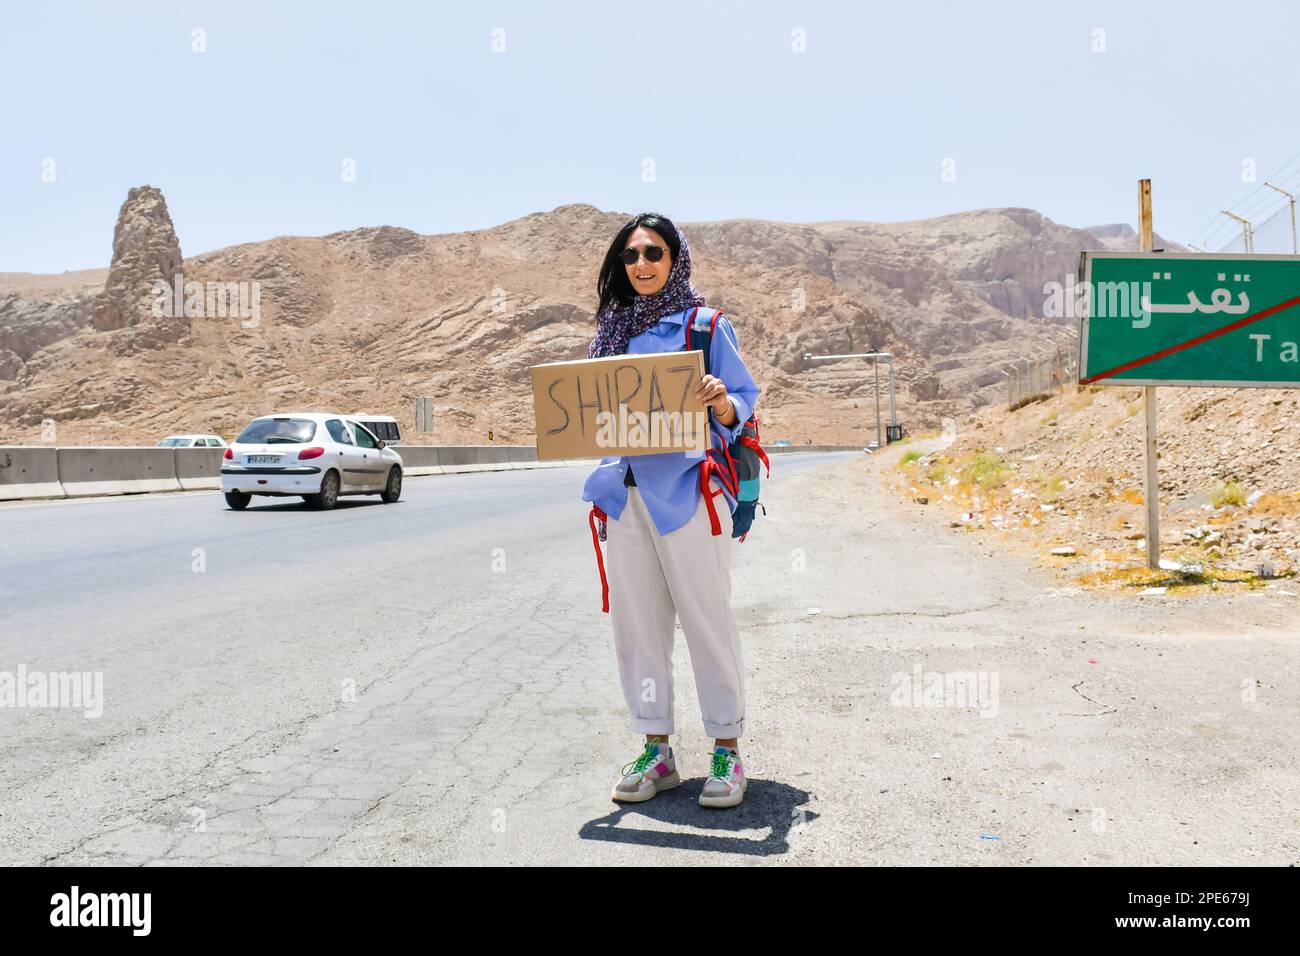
(735, 464)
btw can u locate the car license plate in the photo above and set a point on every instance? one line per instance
(263, 459)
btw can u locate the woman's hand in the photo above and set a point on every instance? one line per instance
(713, 393)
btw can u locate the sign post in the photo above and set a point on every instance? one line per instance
(1151, 476)
(1187, 319)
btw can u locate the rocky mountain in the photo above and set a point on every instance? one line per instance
(369, 319)
(1121, 237)
(36, 311)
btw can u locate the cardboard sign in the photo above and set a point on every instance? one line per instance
(621, 405)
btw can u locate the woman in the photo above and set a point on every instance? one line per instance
(664, 561)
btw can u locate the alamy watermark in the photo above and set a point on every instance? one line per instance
(1072, 299)
(659, 429)
(75, 908)
(1131, 299)
(208, 300)
(921, 688)
(74, 689)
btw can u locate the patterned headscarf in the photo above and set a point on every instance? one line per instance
(622, 321)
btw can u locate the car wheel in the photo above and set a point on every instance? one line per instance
(328, 496)
(393, 489)
(238, 500)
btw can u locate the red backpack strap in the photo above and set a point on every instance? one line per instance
(758, 449)
(686, 329)
(690, 321)
(749, 442)
(715, 462)
(597, 513)
(726, 475)
(707, 468)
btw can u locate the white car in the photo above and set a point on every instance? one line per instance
(381, 426)
(192, 441)
(317, 455)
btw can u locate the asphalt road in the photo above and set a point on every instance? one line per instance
(433, 682)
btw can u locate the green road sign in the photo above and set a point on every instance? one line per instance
(1189, 319)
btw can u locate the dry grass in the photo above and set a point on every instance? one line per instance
(1140, 576)
(1228, 493)
(1051, 489)
(985, 469)
(1130, 496)
(938, 474)
(1277, 505)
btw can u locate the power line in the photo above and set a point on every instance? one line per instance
(1255, 207)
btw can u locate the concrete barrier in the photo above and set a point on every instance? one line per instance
(198, 468)
(792, 449)
(32, 471)
(522, 456)
(418, 460)
(29, 471)
(455, 459)
(116, 471)
(494, 458)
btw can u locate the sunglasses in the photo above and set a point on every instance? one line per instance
(632, 255)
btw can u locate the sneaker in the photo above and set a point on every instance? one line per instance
(725, 785)
(647, 775)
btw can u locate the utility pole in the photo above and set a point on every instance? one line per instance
(875, 367)
(1290, 198)
(1247, 230)
(875, 360)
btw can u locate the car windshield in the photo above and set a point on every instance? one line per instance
(270, 431)
(173, 442)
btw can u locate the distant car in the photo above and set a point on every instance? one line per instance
(381, 426)
(192, 441)
(317, 455)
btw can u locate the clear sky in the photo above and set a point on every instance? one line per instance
(248, 139)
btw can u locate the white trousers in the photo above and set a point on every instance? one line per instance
(655, 579)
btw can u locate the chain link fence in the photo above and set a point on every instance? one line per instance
(1051, 370)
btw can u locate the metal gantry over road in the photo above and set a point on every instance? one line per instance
(895, 433)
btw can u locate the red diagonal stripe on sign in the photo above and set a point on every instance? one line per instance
(1212, 334)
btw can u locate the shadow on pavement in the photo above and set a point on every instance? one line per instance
(774, 807)
(295, 503)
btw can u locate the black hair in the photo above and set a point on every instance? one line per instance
(613, 283)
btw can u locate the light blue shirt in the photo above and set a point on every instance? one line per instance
(669, 482)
